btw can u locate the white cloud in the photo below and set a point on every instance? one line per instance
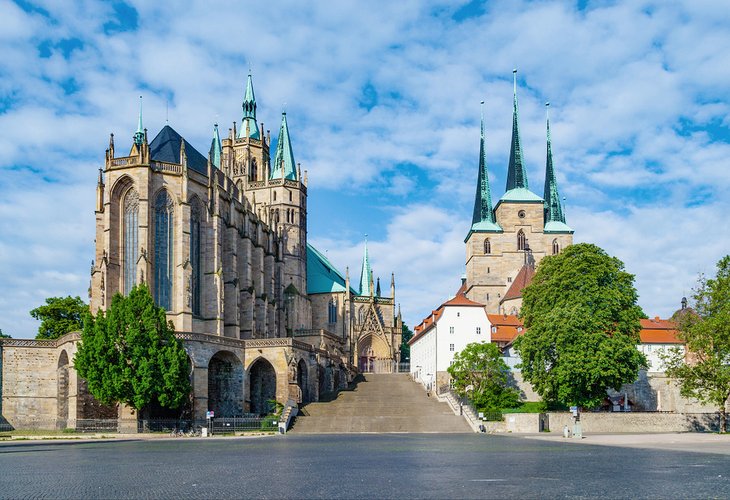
(639, 124)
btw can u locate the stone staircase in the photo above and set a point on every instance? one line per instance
(379, 404)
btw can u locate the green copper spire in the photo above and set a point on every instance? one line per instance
(365, 273)
(554, 215)
(284, 166)
(215, 148)
(483, 212)
(516, 175)
(249, 113)
(139, 134)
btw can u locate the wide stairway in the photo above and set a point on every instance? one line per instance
(380, 403)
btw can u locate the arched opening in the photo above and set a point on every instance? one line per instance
(374, 354)
(62, 394)
(196, 275)
(262, 379)
(253, 171)
(332, 312)
(130, 227)
(487, 247)
(556, 247)
(520, 240)
(225, 385)
(303, 380)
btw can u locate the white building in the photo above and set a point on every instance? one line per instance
(444, 333)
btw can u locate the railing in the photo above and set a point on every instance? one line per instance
(404, 367)
(316, 333)
(161, 166)
(124, 161)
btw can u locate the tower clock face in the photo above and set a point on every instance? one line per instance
(521, 214)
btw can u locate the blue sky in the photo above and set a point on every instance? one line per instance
(382, 100)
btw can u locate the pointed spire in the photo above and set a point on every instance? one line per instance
(215, 148)
(553, 207)
(377, 288)
(365, 272)
(249, 113)
(139, 134)
(284, 166)
(483, 198)
(516, 175)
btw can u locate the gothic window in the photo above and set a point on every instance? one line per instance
(274, 195)
(253, 171)
(290, 196)
(556, 247)
(196, 276)
(164, 223)
(521, 240)
(487, 247)
(131, 225)
(332, 312)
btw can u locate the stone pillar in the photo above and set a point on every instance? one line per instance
(200, 392)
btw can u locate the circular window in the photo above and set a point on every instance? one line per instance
(521, 214)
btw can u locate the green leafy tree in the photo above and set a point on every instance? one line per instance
(706, 332)
(582, 327)
(130, 354)
(4, 336)
(405, 349)
(480, 374)
(59, 316)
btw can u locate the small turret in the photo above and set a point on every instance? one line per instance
(392, 286)
(365, 272)
(216, 149)
(284, 165)
(139, 134)
(516, 174)
(377, 288)
(100, 193)
(248, 124)
(553, 208)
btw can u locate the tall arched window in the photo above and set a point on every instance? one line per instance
(332, 312)
(487, 247)
(253, 171)
(196, 275)
(130, 228)
(164, 223)
(556, 247)
(521, 240)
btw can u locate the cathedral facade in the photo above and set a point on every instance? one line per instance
(221, 241)
(507, 240)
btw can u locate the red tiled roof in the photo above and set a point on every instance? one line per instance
(523, 278)
(505, 327)
(458, 300)
(659, 331)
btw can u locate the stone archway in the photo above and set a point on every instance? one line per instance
(373, 353)
(225, 385)
(62, 390)
(262, 380)
(303, 380)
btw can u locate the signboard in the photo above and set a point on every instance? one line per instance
(209, 414)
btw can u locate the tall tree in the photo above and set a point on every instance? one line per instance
(130, 354)
(582, 326)
(705, 373)
(59, 316)
(479, 373)
(405, 349)
(3, 335)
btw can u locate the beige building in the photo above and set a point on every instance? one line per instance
(221, 241)
(506, 241)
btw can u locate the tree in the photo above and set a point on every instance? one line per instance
(582, 327)
(130, 354)
(3, 335)
(59, 316)
(405, 349)
(706, 333)
(480, 374)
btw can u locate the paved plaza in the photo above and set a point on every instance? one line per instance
(370, 466)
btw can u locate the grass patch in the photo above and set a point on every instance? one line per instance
(528, 407)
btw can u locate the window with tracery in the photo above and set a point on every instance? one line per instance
(196, 274)
(332, 312)
(131, 229)
(521, 240)
(487, 246)
(253, 171)
(556, 247)
(163, 257)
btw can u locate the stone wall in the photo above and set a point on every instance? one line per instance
(30, 384)
(640, 422)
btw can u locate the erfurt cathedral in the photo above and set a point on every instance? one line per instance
(507, 240)
(221, 241)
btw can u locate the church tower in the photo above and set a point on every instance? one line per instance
(505, 244)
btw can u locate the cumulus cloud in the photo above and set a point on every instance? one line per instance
(383, 106)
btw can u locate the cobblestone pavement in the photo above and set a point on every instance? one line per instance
(356, 466)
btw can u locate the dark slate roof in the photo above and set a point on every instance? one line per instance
(166, 147)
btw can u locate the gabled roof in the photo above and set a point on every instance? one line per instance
(322, 276)
(505, 327)
(166, 147)
(523, 278)
(459, 300)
